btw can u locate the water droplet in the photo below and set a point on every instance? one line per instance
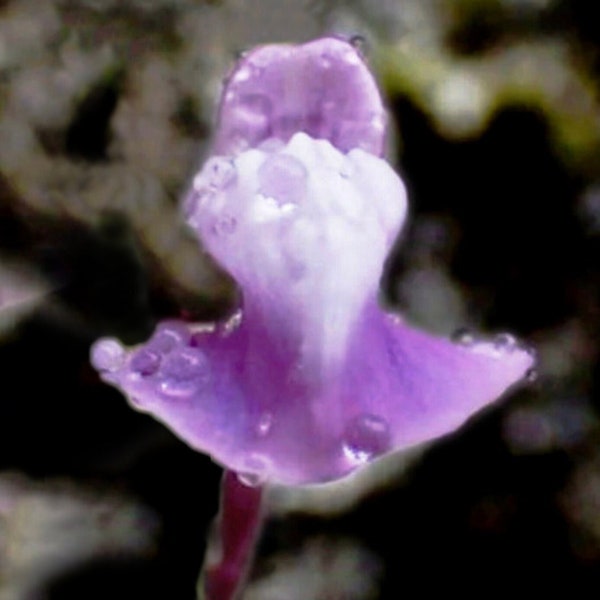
(145, 362)
(136, 402)
(242, 74)
(167, 337)
(264, 424)
(325, 61)
(463, 336)
(366, 436)
(224, 225)
(283, 178)
(232, 323)
(218, 173)
(359, 42)
(184, 371)
(237, 140)
(504, 342)
(250, 120)
(200, 333)
(254, 471)
(531, 375)
(377, 123)
(107, 355)
(345, 170)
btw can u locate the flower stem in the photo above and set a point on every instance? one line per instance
(238, 525)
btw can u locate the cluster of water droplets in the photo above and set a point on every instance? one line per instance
(217, 175)
(170, 363)
(499, 346)
(257, 104)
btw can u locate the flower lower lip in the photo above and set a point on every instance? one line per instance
(322, 88)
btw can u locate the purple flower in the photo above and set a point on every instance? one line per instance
(310, 378)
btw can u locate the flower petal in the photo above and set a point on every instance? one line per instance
(232, 394)
(322, 88)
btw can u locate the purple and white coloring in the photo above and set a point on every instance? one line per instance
(310, 378)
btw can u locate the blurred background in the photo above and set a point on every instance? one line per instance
(106, 111)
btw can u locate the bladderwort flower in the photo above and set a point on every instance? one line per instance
(311, 377)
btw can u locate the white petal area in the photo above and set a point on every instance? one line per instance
(305, 229)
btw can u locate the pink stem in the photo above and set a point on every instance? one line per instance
(238, 524)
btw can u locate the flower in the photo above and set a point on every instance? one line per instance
(311, 378)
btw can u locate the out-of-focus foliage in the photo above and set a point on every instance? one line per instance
(50, 528)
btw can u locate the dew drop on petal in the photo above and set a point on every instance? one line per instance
(145, 362)
(242, 75)
(283, 178)
(232, 323)
(200, 334)
(183, 372)
(358, 42)
(254, 471)
(463, 337)
(107, 355)
(167, 337)
(531, 375)
(504, 342)
(136, 402)
(252, 116)
(366, 436)
(225, 225)
(264, 424)
(324, 61)
(345, 170)
(218, 173)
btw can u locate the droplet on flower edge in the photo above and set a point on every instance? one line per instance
(232, 323)
(254, 471)
(531, 376)
(218, 173)
(145, 362)
(505, 342)
(463, 336)
(184, 372)
(500, 345)
(264, 425)
(366, 437)
(107, 355)
(224, 226)
(167, 337)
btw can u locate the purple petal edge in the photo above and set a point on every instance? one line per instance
(255, 409)
(322, 88)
